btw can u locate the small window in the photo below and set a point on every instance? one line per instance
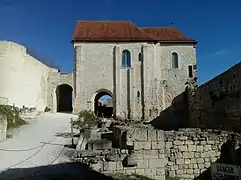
(190, 73)
(138, 94)
(126, 59)
(140, 57)
(174, 60)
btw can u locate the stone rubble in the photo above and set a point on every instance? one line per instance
(143, 150)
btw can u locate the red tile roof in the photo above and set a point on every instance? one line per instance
(167, 34)
(124, 31)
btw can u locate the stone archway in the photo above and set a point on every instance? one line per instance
(103, 104)
(64, 97)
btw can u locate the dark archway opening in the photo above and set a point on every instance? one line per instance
(64, 95)
(103, 105)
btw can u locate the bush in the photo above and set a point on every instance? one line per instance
(47, 109)
(87, 119)
(13, 117)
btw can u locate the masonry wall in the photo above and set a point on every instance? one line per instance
(165, 82)
(23, 78)
(183, 154)
(190, 152)
(216, 104)
(146, 152)
(54, 80)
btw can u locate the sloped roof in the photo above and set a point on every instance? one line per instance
(124, 31)
(167, 34)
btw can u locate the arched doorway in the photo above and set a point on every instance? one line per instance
(103, 105)
(64, 94)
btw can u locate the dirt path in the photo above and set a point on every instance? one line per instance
(26, 149)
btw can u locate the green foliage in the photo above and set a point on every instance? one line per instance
(47, 109)
(87, 119)
(13, 116)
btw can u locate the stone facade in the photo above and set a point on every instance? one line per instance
(98, 68)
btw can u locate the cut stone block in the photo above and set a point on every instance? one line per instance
(99, 144)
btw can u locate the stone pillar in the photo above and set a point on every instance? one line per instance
(132, 93)
(78, 101)
(3, 127)
(144, 82)
(117, 81)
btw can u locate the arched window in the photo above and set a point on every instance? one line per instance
(140, 57)
(174, 60)
(126, 58)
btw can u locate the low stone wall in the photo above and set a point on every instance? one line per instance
(157, 154)
(183, 154)
(190, 152)
(3, 127)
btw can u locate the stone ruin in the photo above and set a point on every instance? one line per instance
(117, 148)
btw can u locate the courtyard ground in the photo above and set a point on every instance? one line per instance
(36, 143)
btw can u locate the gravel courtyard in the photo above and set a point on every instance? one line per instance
(29, 145)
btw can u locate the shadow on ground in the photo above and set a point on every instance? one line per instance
(65, 171)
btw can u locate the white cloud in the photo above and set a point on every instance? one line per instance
(221, 52)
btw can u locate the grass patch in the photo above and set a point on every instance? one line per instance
(13, 117)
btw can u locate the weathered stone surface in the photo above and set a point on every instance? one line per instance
(142, 145)
(99, 144)
(189, 155)
(156, 163)
(3, 127)
(168, 145)
(142, 163)
(180, 161)
(158, 145)
(152, 135)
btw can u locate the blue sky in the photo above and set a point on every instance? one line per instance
(46, 26)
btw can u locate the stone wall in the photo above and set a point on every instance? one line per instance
(190, 152)
(216, 104)
(145, 152)
(23, 78)
(54, 80)
(183, 154)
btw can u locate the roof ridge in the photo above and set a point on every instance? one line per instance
(103, 21)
